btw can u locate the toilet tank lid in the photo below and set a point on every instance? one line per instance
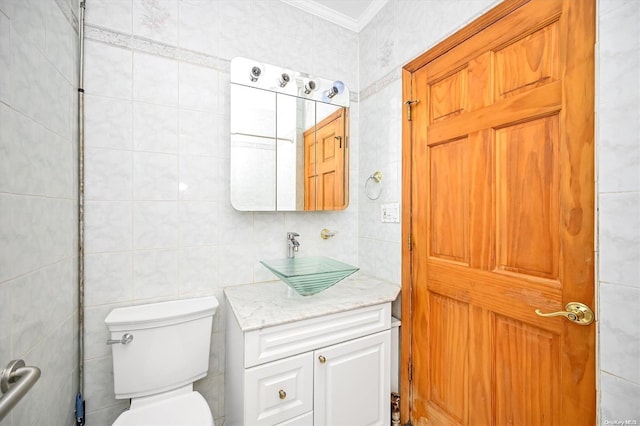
(155, 314)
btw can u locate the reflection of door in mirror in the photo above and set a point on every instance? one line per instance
(324, 187)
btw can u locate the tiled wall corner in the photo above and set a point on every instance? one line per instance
(38, 203)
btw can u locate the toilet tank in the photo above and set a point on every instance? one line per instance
(170, 346)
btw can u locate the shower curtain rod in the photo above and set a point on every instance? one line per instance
(79, 403)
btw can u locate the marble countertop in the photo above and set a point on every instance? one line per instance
(271, 303)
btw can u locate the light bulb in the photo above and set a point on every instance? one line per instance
(310, 86)
(255, 73)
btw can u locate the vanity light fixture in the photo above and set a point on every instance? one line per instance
(284, 79)
(332, 92)
(255, 73)
(336, 88)
(310, 86)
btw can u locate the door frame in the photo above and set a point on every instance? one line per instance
(409, 161)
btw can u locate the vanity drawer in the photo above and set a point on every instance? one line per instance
(279, 391)
(273, 343)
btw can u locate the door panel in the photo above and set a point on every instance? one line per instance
(448, 348)
(527, 63)
(449, 227)
(531, 398)
(449, 96)
(527, 177)
(500, 194)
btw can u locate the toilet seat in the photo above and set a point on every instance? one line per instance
(184, 409)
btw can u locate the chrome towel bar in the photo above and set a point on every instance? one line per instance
(15, 382)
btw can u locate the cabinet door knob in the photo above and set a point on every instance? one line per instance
(282, 394)
(322, 359)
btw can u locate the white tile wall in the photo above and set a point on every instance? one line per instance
(108, 122)
(159, 223)
(155, 128)
(108, 226)
(155, 176)
(111, 275)
(619, 339)
(618, 150)
(618, 237)
(114, 14)
(619, 400)
(156, 20)
(195, 128)
(155, 79)
(38, 219)
(109, 174)
(108, 71)
(155, 273)
(198, 26)
(155, 224)
(5, 56)
(199, 88)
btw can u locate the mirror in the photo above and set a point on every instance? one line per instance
(289, 140)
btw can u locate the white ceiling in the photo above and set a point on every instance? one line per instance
(351, 14)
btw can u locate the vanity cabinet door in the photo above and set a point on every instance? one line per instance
(351, 382)
(303, 420)
(278, 391)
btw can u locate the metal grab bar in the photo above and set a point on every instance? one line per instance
(15, 382)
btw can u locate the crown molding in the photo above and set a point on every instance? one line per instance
(336, 17)
(370, 12)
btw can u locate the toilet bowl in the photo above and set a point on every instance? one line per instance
(188, 408)
(159, 350)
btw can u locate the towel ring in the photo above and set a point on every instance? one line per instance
(375, 178)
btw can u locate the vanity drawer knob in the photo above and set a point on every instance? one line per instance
(282, 394)
(322, 359)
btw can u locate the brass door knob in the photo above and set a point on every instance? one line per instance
(322, 359)
(282, 394)
(574, 311)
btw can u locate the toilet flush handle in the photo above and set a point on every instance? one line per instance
(126, 339)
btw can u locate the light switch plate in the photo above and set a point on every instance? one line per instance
(390, 213)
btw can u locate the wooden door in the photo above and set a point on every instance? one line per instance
(352, 381)
(499, 205)
(324, 164)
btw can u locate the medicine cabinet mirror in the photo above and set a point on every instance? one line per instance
(289, 140)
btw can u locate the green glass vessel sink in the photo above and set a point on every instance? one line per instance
(309, 275)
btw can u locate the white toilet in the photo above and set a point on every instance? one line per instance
(159, 350)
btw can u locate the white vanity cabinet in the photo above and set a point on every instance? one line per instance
(326, 370)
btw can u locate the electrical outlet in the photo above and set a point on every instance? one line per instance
(390, 213)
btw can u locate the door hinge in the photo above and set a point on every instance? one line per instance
(408, 104)
(409, 243)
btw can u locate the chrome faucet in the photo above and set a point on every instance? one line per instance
(294, 245)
